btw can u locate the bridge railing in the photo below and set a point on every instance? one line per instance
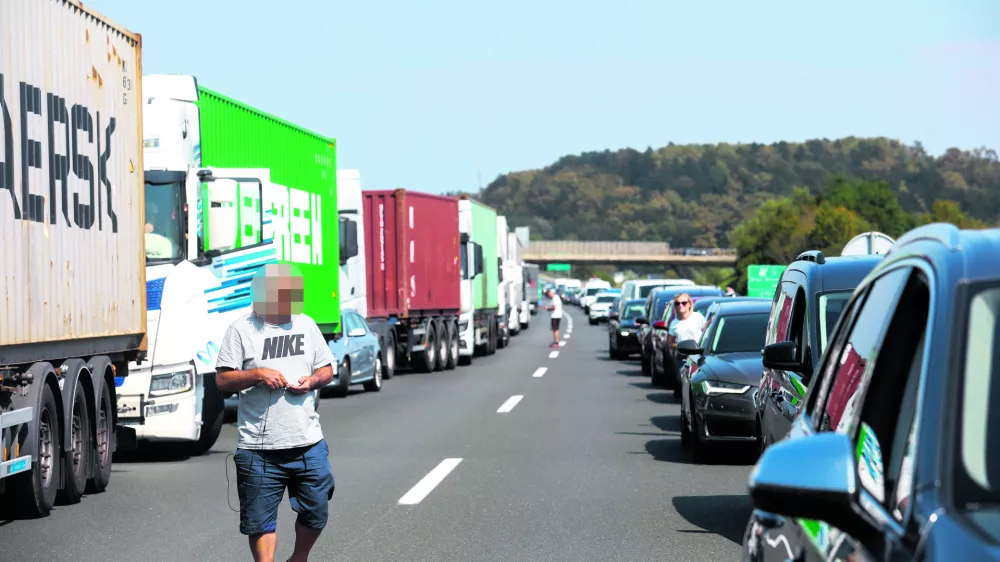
(554, 249)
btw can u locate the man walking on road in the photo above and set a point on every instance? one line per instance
(277, 359)
(555, 305)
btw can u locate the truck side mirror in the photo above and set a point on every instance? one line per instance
(348, 240)
(221, 228)
(477, 253)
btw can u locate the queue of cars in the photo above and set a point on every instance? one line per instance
(870, 386)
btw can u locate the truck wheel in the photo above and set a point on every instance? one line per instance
(443, 345)
(34, 492)
(76, 460)
(425, 360)
(102, 444)
(375, 384)
(389, 367)
(213, 408)
(453, 358)
(491, 343)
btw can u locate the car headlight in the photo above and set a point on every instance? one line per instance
(171, 383)
(625, 332)
(721, 387)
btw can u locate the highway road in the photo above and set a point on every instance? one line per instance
(526, 456)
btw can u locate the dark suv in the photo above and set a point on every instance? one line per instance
(895, 455)
(806, 305)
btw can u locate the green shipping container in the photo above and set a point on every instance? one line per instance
(484, 231)
(303, 168)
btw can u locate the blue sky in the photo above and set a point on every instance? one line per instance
(429, 95)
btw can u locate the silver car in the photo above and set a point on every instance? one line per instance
(359, 355)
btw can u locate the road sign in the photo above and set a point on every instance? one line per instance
(557, 267)
(762, 280)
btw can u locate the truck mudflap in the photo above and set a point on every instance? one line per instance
(126, 438)
(20, 463)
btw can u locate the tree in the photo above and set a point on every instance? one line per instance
(834, 227)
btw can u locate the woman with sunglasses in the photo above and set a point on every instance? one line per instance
(687, 324)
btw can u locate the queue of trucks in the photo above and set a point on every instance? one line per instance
(134, 212)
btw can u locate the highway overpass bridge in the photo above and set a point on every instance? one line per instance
(571, 252)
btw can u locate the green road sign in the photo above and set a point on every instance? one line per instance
(762, 280)
(557, 267)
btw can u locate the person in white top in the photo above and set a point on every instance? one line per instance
(556, 308)
(688, 324)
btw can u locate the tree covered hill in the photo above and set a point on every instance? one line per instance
(696, 195)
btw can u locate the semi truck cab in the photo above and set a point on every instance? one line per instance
(472, 270)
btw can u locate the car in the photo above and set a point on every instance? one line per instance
(359, 355)
(810, 296)
(893, 454)
(720, 377)
(623, 332)
(600, 306)
(640, 288)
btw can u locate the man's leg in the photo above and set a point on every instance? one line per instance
(310, 493)
(260, 485)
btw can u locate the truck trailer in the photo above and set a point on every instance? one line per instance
(412, 276)
(71, 221)
(229, 189)
(479, 323)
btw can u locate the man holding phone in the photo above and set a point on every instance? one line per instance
(277, 359)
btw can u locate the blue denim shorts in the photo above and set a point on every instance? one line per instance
(263, 475)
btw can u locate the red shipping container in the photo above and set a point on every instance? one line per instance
(412, 253)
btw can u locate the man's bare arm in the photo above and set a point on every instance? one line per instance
(320, 378)
(231, 380)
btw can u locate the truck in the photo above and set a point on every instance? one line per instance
(71, 220)
(505, 329)
(478, 323)
(229, 189)
(402, 271)
(513, 271)
(533, 287)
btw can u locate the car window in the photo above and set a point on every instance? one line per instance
(633, 311)
(978, 468)
(661, 307)
(854, 357)
(740, 333)
(831, 306)
(605, 299)
(352, 322)
(774, 333)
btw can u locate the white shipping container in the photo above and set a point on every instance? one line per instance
(71, 185)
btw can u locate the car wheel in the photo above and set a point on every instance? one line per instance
(375, 384)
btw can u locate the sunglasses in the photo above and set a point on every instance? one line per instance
(682, 303)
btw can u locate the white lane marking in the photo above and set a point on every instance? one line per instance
(429, 482)
(562, 343)
(566, 337)
(510, 403)
(540, 371)
(553, 355)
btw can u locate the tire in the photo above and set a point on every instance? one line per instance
(34, 493)
(213, 409)
(685, 431)
(340, 390)
(426, 360)
(453, 358)
(699, 450)
(103, 440)
(491, 342)
(443, 343)
(646, 368)
(389, 367)
(76, 460)
(375, 384)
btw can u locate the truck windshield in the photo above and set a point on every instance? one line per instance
(463, 259)
(164, 229)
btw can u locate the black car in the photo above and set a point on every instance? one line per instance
(720, 377)
(623, 332)
(895, 454)
(808, 301)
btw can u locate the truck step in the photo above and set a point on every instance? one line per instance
(15, 466)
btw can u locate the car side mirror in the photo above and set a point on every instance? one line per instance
(688, 347)
(812, 477)
(640, 321)
(660, 325)
(356, 333)
(781, 356)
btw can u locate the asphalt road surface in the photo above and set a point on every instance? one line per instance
(523, 456)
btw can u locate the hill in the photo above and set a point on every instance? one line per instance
(696, 195)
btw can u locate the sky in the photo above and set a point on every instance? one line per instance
(445, 95)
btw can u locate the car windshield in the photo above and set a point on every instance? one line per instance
(831, 305)
(591, 291)
(633, 311)
(646, 289)
(164, 228)
(979, 480)
(740, 333)
(606, 298)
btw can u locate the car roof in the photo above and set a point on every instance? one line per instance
(833, 273)
(744, 307)
(693, 290)
(635, 301)
(967, 254)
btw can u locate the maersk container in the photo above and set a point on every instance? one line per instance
(235, 135)
(71, 206)
(484, 231)
(412, 242)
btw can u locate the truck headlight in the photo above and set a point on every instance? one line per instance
(171, 383)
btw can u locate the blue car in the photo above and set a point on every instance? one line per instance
(359, 355)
